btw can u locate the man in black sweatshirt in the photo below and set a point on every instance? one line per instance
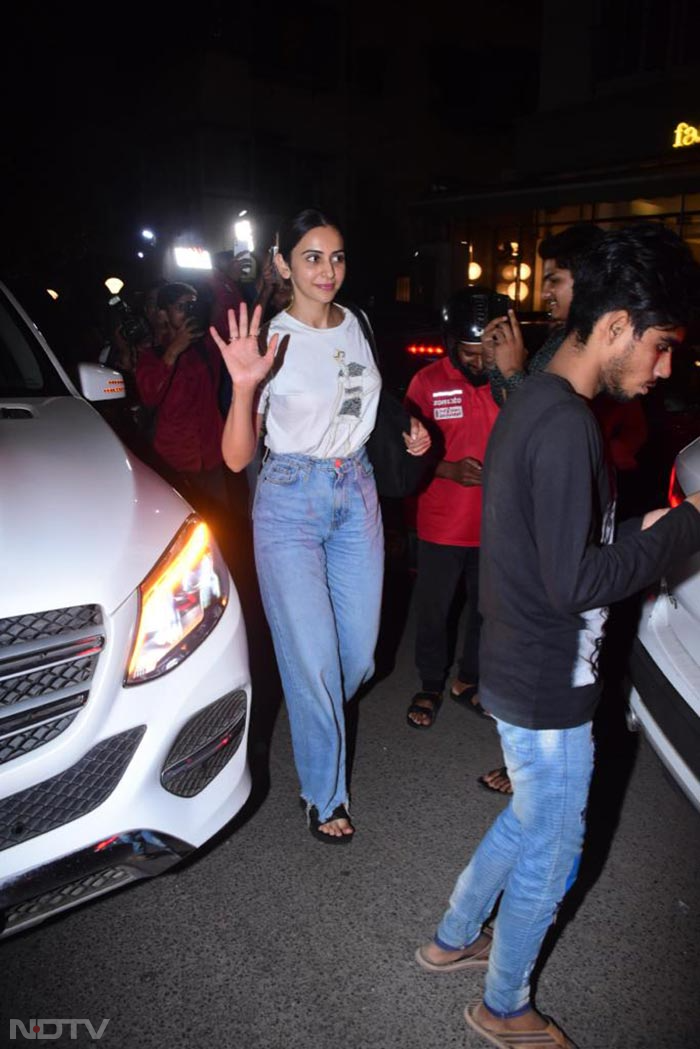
(550, 565)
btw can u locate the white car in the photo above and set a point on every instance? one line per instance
(665, 660)
(124, 681)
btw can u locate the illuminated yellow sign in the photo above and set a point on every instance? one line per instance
(686, 135)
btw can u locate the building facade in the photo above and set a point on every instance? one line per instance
(615, 138)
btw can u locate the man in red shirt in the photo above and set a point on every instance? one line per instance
(180, 379)
(452, 397)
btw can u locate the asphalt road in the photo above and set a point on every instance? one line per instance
(271, 940)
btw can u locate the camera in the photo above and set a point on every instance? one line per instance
(198, 311)
(134, 328)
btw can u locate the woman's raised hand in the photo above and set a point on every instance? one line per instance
(241, 354)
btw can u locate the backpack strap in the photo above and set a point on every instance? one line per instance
(365, 328)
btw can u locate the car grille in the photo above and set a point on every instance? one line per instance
(69, 795)
(47, 662)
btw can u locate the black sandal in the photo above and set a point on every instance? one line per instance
(340, 812)
(418, 708)
(465, 698)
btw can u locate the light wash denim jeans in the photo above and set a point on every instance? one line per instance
(530, 854)
(319, 553)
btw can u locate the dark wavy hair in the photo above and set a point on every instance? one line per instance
(293, 231)
(567, 247)
(645, 269)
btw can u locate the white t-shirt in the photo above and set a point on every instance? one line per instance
(323, 400)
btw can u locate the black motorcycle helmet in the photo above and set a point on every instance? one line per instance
(467, 312)
(464, 317)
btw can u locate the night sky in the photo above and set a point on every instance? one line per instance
(77, 86)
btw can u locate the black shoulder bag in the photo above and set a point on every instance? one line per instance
(396, 472)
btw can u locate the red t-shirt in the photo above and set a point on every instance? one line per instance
(447, 512)
(189, 426)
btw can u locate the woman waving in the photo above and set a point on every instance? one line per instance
(318, 536)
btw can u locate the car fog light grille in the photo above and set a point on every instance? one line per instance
(205, 745)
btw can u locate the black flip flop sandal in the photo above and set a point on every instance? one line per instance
(339, 813)
(465, 700)
(417, 708)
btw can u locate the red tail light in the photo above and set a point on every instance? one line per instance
(676, 494)
(425, 351)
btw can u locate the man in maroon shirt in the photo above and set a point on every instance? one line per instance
(180, 379)
(453, 398)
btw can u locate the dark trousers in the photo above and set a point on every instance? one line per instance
(440, 571)
(208, 491)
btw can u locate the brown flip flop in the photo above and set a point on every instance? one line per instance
(477, 960)
(550, 1037)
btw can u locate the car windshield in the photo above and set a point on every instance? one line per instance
(25, 369)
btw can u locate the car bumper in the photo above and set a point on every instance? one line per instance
(157, 769)
(670, 724)
(106, 865)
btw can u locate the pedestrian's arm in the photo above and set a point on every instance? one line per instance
(504, 346)
(425, 436)
(578, 569)
(152, 379)
(182, 340)
(466, 471)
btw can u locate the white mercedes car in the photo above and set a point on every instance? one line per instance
(665, 660)
(124, 682)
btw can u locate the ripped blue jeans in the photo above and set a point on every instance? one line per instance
(530, 854)
(319, 554)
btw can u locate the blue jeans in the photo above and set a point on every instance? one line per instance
(530, 854)
(319, 553)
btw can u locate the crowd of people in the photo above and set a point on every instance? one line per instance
(519, 506)
(178, 393)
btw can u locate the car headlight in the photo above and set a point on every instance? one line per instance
(180, 602)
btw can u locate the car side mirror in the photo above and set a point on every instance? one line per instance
(98, 383)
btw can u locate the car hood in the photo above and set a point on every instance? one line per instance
(81, 519)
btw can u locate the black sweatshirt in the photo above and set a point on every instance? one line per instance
(548, 565)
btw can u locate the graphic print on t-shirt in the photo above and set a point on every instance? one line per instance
(447, 404)
(352, 401)
(590, 636)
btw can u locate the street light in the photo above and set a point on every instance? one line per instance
(114, 285)
(192, 258)
(243, 236)
(473, 268)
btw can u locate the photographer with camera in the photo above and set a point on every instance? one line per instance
(129, 334)
(179, 381)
